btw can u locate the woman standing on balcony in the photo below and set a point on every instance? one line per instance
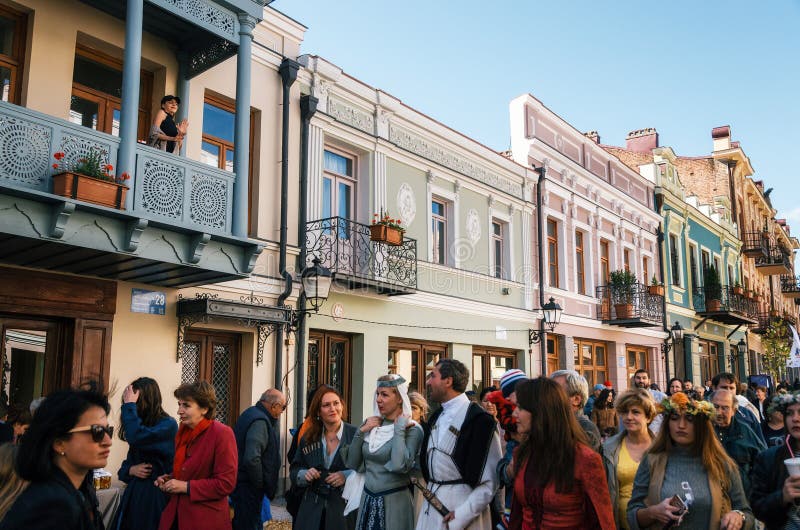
(165, 134)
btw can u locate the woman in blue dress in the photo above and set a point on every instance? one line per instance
(150, 433)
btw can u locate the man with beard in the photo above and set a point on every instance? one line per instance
(459, 454)
(641, 379)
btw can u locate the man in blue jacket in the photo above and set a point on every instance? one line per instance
(739, 440)
(258, 444)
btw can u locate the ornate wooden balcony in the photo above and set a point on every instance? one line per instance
(176, 232)
(345, 247)
(724, 306)
(630, 307)
(790, 286)
(755, 244)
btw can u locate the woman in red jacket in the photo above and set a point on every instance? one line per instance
(204, 471)
(559, 480)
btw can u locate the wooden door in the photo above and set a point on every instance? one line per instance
(214, 357)
(329, 363)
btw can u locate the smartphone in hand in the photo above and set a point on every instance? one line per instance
(677, 502)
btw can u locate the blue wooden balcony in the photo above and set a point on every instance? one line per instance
(176, 230)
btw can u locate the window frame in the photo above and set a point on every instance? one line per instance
(420, 350)
(339, 178)
(580, 263)
(487, 354)
(552, 253)
(594, 368)
(674, 257)
(16, 61)
(443, 259)
(498, 240)
(605, 261)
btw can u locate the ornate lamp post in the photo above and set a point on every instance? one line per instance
(675, 336)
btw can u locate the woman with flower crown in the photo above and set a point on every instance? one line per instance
(686, 460)
(775, 492)
(383, 451)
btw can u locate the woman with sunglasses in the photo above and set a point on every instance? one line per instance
(68, 438)
(686, 467)
(204, 469)
(150, 433)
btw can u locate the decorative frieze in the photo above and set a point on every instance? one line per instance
(361, 120)
(433, 151)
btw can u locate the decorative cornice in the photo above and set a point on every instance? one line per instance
(435, 152)
(361, 120)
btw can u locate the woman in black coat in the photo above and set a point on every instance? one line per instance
(318, 465)
(68, 438)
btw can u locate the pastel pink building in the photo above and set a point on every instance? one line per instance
(597, 217)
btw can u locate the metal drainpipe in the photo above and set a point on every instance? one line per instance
(288, 72)
(660, 238)
(540, 234)
(308, 107)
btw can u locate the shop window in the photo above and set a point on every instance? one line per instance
(414, 360)
(590, 361)
(489, 365)
(636, 359)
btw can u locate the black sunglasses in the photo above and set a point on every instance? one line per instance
(98, 432)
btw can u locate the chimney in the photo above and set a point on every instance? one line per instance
(721, 136)
(642, 141)
(593, 136)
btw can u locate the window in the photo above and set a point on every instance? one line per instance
(636, 359)
(605, 268)
(552, 252)
(439, 231)
(709, 359)
(329, 363)
(96, 100)
(674, 260)
(693, 266)
(338, 188)
(497, 249)
(626, 259)
(731, 276)
(219, 118)
(415, 360)
(488, 365)
(579, 263)
(552, 353)
(214, 357)
(12, 52)
(645, 271)
(590, 361)
(706, 260)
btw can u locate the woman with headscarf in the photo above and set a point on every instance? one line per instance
(384, 450)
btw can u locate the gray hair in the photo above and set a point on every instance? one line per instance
(576, 384)
(721, 391)
(271, 396)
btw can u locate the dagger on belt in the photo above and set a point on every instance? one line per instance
(431, 497)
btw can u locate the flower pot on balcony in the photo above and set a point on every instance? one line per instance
(624, 311)
(714, 305)
(88, 189)
(656, 290)
(386, 234)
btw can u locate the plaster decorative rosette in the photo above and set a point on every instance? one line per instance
(473, 226)
(406, 204)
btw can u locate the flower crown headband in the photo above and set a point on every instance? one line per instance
(782, 402)
(681, 404)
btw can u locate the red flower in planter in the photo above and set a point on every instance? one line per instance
(59, 155)
(92, 164)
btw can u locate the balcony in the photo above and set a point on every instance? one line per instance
(176, 232)
(777, 262)
(755, 244)
(727, 307)
(345, 247)
(790, 286)
(630, 307)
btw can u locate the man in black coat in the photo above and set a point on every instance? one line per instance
(257, 441)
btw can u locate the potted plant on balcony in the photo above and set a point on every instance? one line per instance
(713, 289)
(738, 289)
(623, 288)
(89, 179)
(386, 229)
(655, 288)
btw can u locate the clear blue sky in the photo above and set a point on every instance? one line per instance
(682, 67)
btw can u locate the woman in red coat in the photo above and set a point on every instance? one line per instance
(204, 472)
(559, 480)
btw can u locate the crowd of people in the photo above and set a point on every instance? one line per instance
(531, 454)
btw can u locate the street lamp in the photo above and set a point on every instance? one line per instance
(552, 316)
(316, 284)
(675, 335)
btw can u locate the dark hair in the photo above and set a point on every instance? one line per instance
(314, 432)
(549, 447)
(148, 406)
(486, 391)
(602, 400)
(641, 371)
(201, 393)
(19, 414)
(726, 376)
(455, 370)
(57, 414)
(669, 385)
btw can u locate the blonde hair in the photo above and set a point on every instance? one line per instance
(10, 484)
(636, 397)
(419, 400)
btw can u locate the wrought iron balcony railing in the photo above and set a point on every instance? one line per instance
(724, 305)
(755, 243)
(790, 286)
(345, 247)
(630, 306)
(777, 262)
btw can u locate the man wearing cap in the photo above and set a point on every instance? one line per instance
(166, 134)
(587, 409)
(459, 454)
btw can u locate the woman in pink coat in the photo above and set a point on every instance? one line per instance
(204, 472)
